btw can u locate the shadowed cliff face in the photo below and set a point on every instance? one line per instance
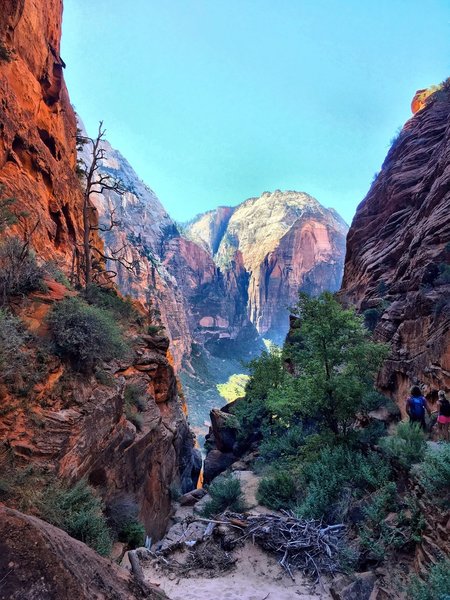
(37, 129)
(398, 252)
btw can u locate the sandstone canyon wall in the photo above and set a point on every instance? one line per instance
(37, 129)
(398, 252)
(68, 424)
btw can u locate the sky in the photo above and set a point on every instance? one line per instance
(216, 101)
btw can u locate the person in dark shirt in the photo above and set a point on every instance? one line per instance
(416, 406)
(443, 419)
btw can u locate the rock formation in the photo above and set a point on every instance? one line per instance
(278, 243)
(73, 425)
(37, 129)
(398, 255)
(40, 561)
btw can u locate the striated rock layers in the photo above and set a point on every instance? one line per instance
(275, 245)
(37, 129)
(398, 252)
(40, 561)
(73, 425)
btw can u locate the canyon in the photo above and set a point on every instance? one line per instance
(223, 282)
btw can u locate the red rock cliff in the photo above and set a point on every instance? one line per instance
(37, 128)
(398, 253)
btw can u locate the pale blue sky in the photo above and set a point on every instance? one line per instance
(215, 101)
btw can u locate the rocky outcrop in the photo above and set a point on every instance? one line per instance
(37, 130)
(274, 245)
(398, 255)
(74, 425)
(40, 561)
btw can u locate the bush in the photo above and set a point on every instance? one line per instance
(285, 446)
(19, 272)
(332, 473)
(15, 357)
(435, 587)
(78, 511)
(277, 491)
(226, 494)
(5, 54)
(371, 317)
(84, 334)
(155, 329)
(123, 518)
(135, 395)
(234, 388)
(407, 445)
(109, 299)
(434, 472)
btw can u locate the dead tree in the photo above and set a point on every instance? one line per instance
(96, 182)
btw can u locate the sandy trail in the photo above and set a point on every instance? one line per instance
(256, 576)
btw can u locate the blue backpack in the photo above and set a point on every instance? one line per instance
(417, 407)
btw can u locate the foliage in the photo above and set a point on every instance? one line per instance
(277, 491)
(123, 515)
(266, 374)
(436, 585)
(52, 269)
(335, 361)
(108, 299)
(226, 493)
(19, 272)
(78, 511)
(335, 470)
(84, 334)
(278, 447)
(7, 216)
(434, 471)
(234, 388)
(5, 53)
(407, 445)
(14, 359)
(443, 276)
(155, 329)
(104, 378)
(371, 317)
(135, 395)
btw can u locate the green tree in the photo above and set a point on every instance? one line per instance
(334, 363)
(234, 388)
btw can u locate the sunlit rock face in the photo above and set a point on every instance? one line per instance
(398, 252)
(279, 243)
(37, 130)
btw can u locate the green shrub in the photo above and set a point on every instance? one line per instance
(84, 334)
(234, 388)
(108, 299)
(372, 317)
(19, 272)
(15, 357)
(407, 445)
(132, 533)
(78, 511)
(226, 494)
(105, 378)
(155, 329)
(277, 491)
(135, 395)
(284, 446)
(436, 585)
(53, 271)
(123, 515)
(5, 53)
(334, 471)
(434, 471)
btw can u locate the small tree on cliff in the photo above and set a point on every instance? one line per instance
(97, 183)
(335, 362)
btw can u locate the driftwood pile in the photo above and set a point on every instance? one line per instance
(302, 544)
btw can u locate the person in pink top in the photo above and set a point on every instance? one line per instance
(443, 419)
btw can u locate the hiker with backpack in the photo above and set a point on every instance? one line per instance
(416, 406)
(443, 419)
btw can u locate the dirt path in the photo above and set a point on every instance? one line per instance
(255, 576)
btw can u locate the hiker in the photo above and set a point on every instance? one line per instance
(416, 405)
(444, 416)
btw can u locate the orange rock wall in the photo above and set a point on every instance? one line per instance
(37, 129)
